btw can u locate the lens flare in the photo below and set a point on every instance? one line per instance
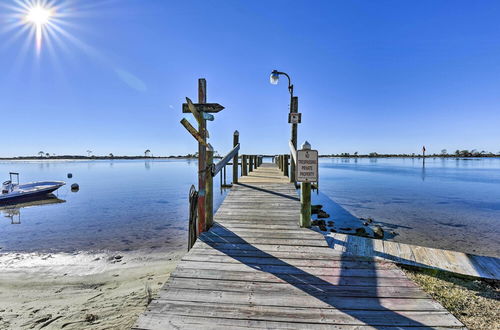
(39, 15)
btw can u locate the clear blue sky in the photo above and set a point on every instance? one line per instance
(385, 76)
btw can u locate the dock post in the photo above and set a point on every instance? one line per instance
(305, 198)
(236, 137)
(255, 161)
(285, 167)
(250, 163)
(244, 169)
(305, 204)
(209, 189)
(202, 129)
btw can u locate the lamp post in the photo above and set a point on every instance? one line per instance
(294, 108)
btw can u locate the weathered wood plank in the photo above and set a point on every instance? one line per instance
(295, 279)
(297, 289)
(307, 315)
(295, 300)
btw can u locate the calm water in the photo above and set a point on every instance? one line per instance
(448, 203)
(123, 205)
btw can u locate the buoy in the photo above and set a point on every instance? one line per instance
(75, 187)
(70, 175)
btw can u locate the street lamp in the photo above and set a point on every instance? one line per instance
(275, 76)
(294, 105)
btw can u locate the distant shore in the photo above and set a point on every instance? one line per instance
(76, 157)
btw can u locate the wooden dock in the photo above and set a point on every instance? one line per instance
(256, 268)
(414, 255)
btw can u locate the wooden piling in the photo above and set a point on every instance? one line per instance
(236, 137)
(305, 204)
(209, 189)
(202, 98)
(244, 169)
(285, 165)
(250, 163)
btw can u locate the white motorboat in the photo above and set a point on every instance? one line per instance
(14, 191)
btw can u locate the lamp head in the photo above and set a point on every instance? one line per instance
(273, 79)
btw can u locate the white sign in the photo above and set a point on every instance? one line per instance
(307, 166)
(294, 118)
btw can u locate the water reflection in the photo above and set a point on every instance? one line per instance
(13, 211)
(423, 170)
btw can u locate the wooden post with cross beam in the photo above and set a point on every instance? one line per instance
(201, 111)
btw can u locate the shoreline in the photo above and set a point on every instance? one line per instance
(101, 290)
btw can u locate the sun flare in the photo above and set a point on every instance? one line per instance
(39, 15)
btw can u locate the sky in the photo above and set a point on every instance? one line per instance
(371, 76)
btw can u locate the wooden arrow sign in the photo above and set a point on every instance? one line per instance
(204, 107)
(193, 131)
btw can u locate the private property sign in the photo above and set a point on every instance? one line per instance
(307, 166)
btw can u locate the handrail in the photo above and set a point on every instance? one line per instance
(223, 162)
(293, 152)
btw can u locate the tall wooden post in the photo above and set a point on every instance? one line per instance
(202, 98)
(236, 137)
(209, 189)
(285, 167)
(244, 169)
(305, 198)
(294, 108)
(255, 161)
(250, 163)
(305, 204)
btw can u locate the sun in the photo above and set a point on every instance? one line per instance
(39, 15)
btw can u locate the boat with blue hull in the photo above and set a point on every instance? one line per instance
(14, 191)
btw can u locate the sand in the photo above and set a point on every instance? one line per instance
(82, 290)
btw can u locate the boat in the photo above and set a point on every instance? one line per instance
(14, 191)
(12, 210)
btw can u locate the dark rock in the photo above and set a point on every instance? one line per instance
(346, 229)
(378, 232)
(365, 223)
(394, 233)
(319, 223)
(118, 257)
(70, 175)
(91, 318)
(333, 230)
(330, 223)
(369, 220)
(323, 214)
(316, 208)
(322, 228)
(75, 187)
(361, 232)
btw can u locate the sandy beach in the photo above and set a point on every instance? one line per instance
(80, 290)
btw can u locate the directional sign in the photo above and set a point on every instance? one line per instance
(193, 131)
(204, 107)
(193, 110)
(307, 166)
(294, 118)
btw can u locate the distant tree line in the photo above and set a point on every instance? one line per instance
(444, 153)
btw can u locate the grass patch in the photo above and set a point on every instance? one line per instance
(476, 303)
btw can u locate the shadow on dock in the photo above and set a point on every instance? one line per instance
(365, 304)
